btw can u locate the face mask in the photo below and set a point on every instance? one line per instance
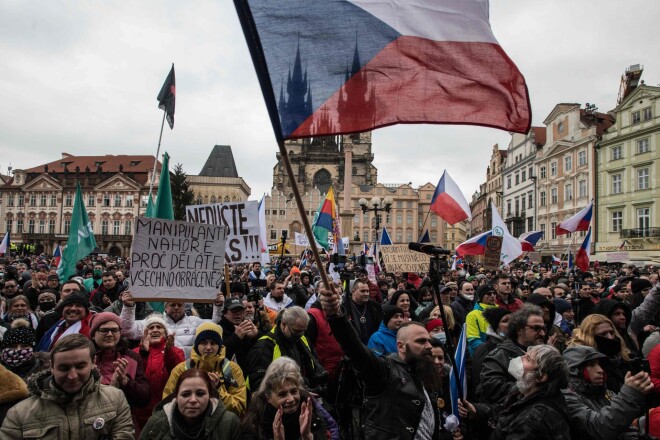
(45, 306)
(468, 297)
(609, 347)
(502, 334)
(425, 303)
(97, 273)
(14, 358)
(516, 368)
(441, 337)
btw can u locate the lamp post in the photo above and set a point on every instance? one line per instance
(375, 205)
(283, 240)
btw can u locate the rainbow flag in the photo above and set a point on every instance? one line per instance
(324, 220)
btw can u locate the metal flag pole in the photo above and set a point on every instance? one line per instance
(153, 172)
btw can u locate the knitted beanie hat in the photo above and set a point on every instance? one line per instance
(101, 318)
(155, 318)
(208, 330)
(19, 333)
(389, 311)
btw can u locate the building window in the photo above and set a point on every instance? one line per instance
(616, 184)
(617, 221)
(542, 168)
(10, 200)
(115, 227)
(19, 226)
(542, 194)
(53, 200)
(399, 219)
(144, 201)
(104, 227)
(553, 230)
(523, 175)
(542, 228)
(42, 200)
(617, 152)
(42, 226)
(530, 199)
(508, 208)
(636, 117)
(582, 158)
(90, 199)
(553, 168)
(644, 220)
(273, 234)
(553, 196)
(31, 226)
(643, 178)
(642, 146)
(530, 224)
(67, 227)
(582, 188)
(399, 204)
(282, 212)
(51, 226)
(128, 227)
(409, 219)
(9, 225)
(106, 200)
(399, 237)
(522, 203)
(517, 179)
(568, 163)
(129, 201)
(647, 114)
(68, 200)
(428, 197)
(409, 236)
(434, 222)
(508, 182)
(568, 191)
(409, 204)
(117, 201)
(33, 199)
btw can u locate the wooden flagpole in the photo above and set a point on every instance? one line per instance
(153, 173)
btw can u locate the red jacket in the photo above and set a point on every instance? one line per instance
(513, 305)
(158, 364)
(327, 348)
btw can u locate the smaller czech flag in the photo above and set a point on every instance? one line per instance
(529, 239)
(365, 249)
(57, 255)
(449, 202)
(582, 257)
(425, 238)
(5, 245)
(385, 238)
(474, 246)
(556, 261)
(579, 222)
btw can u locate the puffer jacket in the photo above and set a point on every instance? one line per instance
(221, 424)
(496, 382)
(594, 412)
(96, 412)
(476, 326)
(233, 392)
(183, 329)
(383, 342)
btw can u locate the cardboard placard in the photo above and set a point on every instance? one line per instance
(618, 257)
(493, 252)
(398, 257)
(172, 260)
(242, 219)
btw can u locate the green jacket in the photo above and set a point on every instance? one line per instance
(96, 411)
(223, 424)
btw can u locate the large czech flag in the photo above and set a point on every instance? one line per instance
(529, 239)
(474, 246)
(341, 66)
(448, 201)
(582, 257)
(579, 222)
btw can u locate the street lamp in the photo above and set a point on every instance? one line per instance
(375, 205)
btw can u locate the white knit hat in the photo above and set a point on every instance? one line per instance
(155, 318)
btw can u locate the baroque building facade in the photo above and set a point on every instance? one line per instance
(218, 181)
(489, 192)
(38, 202)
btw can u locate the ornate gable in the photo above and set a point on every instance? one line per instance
(44, 182)
(119, 182)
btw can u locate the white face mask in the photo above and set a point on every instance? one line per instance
(441, 337)
(468, 297)
(516, 368)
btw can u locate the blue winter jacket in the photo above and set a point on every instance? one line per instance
(383, 342)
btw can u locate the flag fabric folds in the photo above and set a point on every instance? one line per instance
(582, 257)
(556, 261)
(511, 247)
(448, 201)
(57, 255)
(579, 222)
(474, 246)
(385, 238)
(425, 238)
(381, 63)
(5, 245)
(81, 241)
(263, 241)
(167, 97)
(324, 220)
(459, 365)
(529, 239)
(163, 207)
(570, 260)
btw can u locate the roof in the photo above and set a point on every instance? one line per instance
(108, 163)
(220, 163)
(539, 136)
(603, 120)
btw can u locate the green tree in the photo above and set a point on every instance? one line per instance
(181, 193)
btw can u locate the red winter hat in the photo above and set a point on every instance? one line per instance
(434, 323)
(101, 318)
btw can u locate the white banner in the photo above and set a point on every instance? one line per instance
(242, 219)
(173, 260)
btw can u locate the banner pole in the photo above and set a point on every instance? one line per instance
(153, 173)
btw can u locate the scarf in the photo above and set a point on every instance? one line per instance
(183, 430)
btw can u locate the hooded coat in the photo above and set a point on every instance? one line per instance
(383, 342)
(607, 307)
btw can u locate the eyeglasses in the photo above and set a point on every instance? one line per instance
(105, 331)
(536, 328)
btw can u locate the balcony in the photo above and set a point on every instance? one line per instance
(640, 233)
(517, 215)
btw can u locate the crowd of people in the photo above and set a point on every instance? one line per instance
(550, 354)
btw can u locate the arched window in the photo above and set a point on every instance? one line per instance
(322, 180)
(226, 198)
(214, 199)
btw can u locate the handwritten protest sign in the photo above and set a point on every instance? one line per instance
(173, 260)
(242, 219)
(399, 258)
(492, 255)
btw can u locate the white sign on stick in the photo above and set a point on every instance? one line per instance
(242, 219)
(173, 260)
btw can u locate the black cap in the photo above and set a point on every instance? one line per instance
(233, 303)
(75, 298)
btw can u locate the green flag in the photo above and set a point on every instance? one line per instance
(150, 208)
(81, 240)
(163, 207)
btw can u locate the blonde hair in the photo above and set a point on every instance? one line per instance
(584, 335)
(449, 314)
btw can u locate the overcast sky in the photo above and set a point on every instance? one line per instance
(82, 77)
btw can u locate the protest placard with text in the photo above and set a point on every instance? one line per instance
(399, 258)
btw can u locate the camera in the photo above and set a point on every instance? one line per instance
(639, 364)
